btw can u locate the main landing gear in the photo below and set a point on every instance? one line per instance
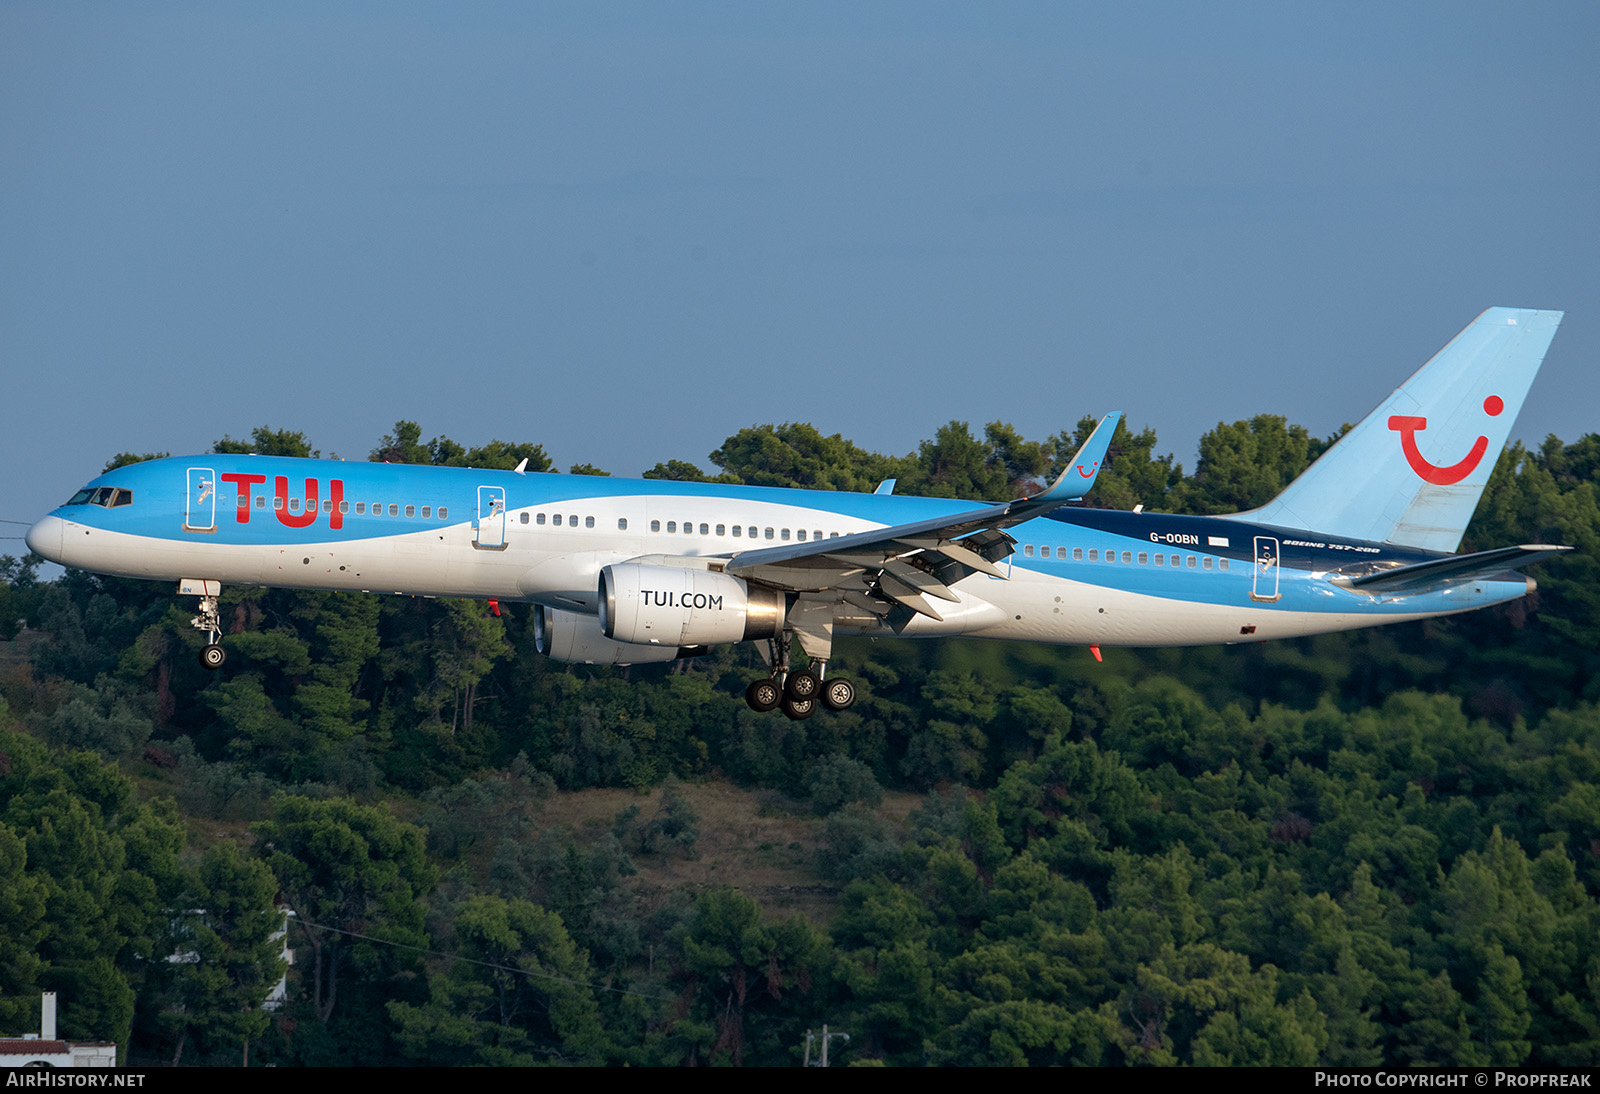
(212, 655)
(799, 692)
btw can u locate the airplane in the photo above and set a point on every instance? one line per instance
(638, 571)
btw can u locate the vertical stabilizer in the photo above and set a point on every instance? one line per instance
(1412, 472)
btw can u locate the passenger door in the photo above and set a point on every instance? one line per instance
(490, 527)
(200, 509)
(1264, 582)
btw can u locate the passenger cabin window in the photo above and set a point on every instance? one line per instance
(786, 535)
(556, 520)
(344, 507)
(588, 522)
(1144, 558)
(427, 511)
(722, 529)
(1077, 554)
(539, 519)
(769, 533)
(705, 529)
(1127, 556)
(524, 516)
(1161, 560)
(261, 502)
(1207, 562)
(672, 526)
(1028, 550)
(443, 512)
(411, 510)
(622, 524)
(572, 519)
(738, 530)
(327, 505)
(361, 508)
(655, 526)
(1222, 564)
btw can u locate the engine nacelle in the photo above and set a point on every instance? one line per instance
(568, 636)
(679, 606)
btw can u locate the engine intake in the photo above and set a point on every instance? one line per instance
(678, 606)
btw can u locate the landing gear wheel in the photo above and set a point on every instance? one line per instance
(763, 695)
(838, 693)
(212, 656)
(802, 685)
(798, 709)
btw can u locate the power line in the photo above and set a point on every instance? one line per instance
(483, 964)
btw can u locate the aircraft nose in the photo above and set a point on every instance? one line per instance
(45, 537)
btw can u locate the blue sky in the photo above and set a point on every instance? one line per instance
(626, 231)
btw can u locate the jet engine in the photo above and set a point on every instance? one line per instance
(568, 636)
(678, 606)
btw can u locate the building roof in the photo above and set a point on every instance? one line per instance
(31, 1046)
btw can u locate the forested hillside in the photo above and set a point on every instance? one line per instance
(1381, 847)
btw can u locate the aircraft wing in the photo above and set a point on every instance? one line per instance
(907, 564)
(1456, 568)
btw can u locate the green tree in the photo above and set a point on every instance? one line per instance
(520, 994)
(266, 441)
(349, 873)
(229, 954)
(741, 970)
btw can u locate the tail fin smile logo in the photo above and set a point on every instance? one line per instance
(1408, 427)
(1089, 472)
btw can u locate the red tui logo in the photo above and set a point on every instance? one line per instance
(1408, 427)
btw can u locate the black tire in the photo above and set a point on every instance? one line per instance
(838, 693)
(802, 684)
(212, 656)
(763, 695)
(798, 710)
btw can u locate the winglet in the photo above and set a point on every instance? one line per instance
(886, 486)
(1077, 480)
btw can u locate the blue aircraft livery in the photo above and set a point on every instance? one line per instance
(624, 572)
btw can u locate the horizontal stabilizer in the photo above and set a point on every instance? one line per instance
(1456, 568)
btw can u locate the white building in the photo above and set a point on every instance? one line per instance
(45, 1049)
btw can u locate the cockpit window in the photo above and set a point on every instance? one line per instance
(111, 497)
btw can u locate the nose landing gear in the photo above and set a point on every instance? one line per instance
(212, 656)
